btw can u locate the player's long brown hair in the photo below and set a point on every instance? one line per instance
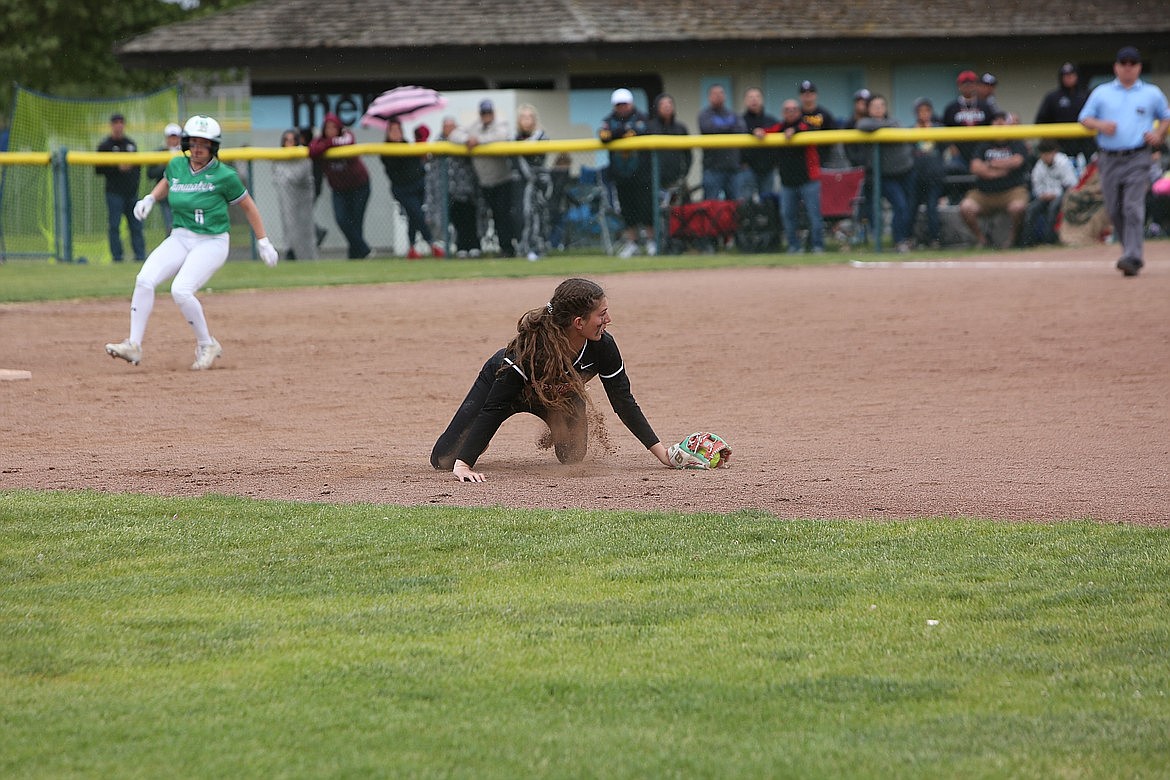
(541, 346)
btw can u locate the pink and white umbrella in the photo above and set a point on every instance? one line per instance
(402, 103)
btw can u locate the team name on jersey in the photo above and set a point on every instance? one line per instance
(970, 116)
(197, 186)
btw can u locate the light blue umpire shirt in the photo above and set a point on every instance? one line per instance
(1134, 110)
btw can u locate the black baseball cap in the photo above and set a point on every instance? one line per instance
(807, 86)
(1067, 68)
(117, 118)
(1128, 53)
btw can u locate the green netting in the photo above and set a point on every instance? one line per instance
(29, 209)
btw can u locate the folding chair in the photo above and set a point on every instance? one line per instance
(841, 203)
(591, 214)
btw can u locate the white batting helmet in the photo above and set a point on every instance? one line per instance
(200, 126)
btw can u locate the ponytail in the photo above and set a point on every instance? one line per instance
(541, 346)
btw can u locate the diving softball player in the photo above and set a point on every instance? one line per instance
(199, 188)
(557, 349)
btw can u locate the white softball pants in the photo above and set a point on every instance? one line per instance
(191, 259)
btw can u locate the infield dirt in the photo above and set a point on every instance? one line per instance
(1020, 386)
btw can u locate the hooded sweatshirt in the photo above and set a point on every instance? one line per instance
(1061, 104)
(346, 173)
(1064, 105)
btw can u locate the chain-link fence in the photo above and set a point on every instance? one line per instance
(562, 199)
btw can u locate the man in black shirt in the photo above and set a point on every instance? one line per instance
(816, 116)
(1064, 104)
(121, 191)
(1000, 184)
(967, 110)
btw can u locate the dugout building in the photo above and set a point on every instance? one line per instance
(303, 57)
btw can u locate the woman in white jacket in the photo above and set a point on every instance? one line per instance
(293, 180)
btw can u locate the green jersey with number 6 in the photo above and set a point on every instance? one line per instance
(199, 201)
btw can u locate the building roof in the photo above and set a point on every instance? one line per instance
(350, 32)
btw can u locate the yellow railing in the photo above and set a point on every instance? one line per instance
(642, 142)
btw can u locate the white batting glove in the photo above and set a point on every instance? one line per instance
(267, 252)
(142, 208)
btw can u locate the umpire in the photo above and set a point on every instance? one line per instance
(1123, 112)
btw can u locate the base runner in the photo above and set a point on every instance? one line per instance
(199, 188)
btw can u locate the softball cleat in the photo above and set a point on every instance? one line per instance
(205, 355)
(127, 350)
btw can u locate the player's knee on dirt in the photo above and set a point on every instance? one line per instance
(570, 434)
(570, 451)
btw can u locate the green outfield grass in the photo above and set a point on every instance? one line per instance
(224, 637)
(30, 280)
(39, 280)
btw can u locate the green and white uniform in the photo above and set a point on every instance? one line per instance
(199, 201)
(196, 248)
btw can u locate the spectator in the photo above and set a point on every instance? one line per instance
(1000, 176)
(536, 184)
(409, 187)
(318, 181)
(855, 153)
(896, 161)
(985, 90)
(1130, 117)
(171, 143)
(293, 181)
(928, 174)
(121, 191)
(816, 116)
(1052, 176)
(800, 181)
(721, 167)
(561, 175)
(967, 110)
(422, 134)
(673, 164)
(350, 182)
(1158, 201)
(1064, 104)
(861, 100)
(759, 164)
(462, 193)
(630, 172)
(493, 173)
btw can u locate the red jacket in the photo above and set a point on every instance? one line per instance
(345, 173)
